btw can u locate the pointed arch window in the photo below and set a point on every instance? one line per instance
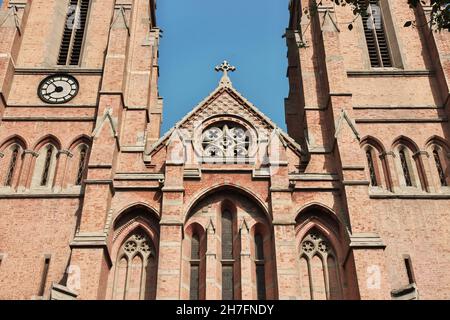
(12, 166)
(81, 165)
(374, 178)
(440, 168)
(260, 266)
(194, 291)
(319, 269)
(405, 167)
(135, 269)
(227, 256)
(47, 165)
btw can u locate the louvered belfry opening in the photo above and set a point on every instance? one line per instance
(75, 26)
(379, 53)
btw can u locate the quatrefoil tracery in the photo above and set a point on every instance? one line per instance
(225, 141)
(315, 244)
(137, 243)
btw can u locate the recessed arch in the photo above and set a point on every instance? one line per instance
(320, 216)
(81, 139)
(199, 196)
(14, 139)
(436, 140)
(403, 140)
(136, 251)
(139, 205)
(135, 236)
(322, 252)
(374, 142)
(318, 209)
(46, 140)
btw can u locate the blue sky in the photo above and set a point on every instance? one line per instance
(200, 34)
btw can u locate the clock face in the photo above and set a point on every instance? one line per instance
(60, 88)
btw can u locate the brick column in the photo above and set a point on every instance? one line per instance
(288, 274)
(169, 262)
(169, 269)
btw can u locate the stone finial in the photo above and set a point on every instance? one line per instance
(225, 67)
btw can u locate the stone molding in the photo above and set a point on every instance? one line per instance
(366, 241)
(59, 292)
(408, 292)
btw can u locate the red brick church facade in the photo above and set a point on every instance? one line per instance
(353, 202)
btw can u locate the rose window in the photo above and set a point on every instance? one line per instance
(227, 140)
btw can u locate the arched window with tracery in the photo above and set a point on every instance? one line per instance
(135, 268)
(226, 140)
(319, 269)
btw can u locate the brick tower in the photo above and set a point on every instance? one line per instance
(351, 203)
(373, 104)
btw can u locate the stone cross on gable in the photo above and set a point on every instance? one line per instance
(225, 67)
